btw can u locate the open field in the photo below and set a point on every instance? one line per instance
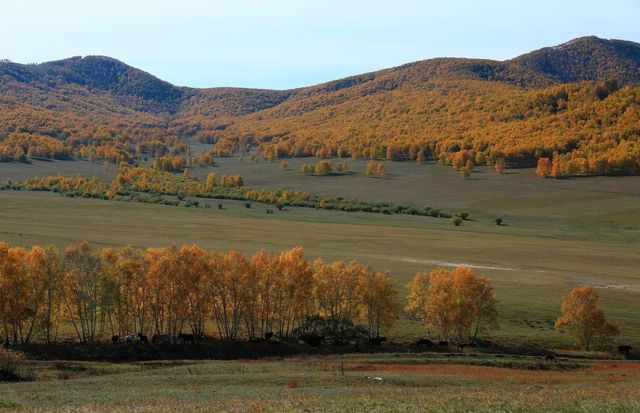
(381, 383)
(559, 233)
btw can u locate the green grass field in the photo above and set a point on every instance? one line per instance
(558, 233)
(379, 383)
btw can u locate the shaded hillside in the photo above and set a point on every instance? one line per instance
(136, 89)
(586, 58)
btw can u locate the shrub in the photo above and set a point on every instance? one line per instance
(12, 365)
(247, 204)
(498, 221)
(279, 205)
(461, 214)
(220, 206)
(457, 221)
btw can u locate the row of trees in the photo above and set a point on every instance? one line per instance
(169, 290)
(324, 167)
(140, 184)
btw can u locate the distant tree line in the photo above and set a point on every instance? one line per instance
(141, 184)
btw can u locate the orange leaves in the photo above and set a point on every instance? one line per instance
(450, 117)
(458, 302)
(581, 315)
(212, 181)
(375, 168)
(543, 168)
(348, 293)
(169, 289)
(233, 181)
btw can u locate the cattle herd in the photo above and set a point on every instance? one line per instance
(422, 344)
(158, 339)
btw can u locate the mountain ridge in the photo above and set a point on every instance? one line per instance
(578, 102)
(613, 59)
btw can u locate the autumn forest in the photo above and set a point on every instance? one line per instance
(464, 226)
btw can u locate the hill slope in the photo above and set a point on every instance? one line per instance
(586, 58)
(514, 111)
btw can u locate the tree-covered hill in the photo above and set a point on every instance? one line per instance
(576, 103)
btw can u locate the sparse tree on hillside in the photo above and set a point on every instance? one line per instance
(211, 182)
(543, 168)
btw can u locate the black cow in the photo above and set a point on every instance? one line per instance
(424, 342)
(376, 341)
(187, 338)
(268, 335)
(160, 339)
(313, 340)
(550, 357)
(115, 339)
(461, 347)
(142, 338)
(624, 350)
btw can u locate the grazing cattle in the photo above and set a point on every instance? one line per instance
(268, 335)
(461, 347)
(142, 338)
(550, 357)
(313, 340)
(376, 341)
(443, 343)
(424, 342)
(115, 339)
(187, 338)
(624, 350)
(160, 339)
(129, 339)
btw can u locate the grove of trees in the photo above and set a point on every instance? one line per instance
(169, 290)
(457, 303)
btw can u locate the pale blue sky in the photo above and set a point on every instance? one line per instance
(290, 43)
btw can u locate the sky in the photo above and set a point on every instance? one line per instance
(281, 44)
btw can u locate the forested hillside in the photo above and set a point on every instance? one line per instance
(575, 106)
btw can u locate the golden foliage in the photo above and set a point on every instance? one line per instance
(583, 318)
(167, 290)
(458, 303)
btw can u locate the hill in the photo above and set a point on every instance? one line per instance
(576, 103)
(586, 58)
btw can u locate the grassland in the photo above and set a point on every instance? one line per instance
(559, 233)
(380, 383)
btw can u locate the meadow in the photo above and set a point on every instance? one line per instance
(378, 383)
(557, 234)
